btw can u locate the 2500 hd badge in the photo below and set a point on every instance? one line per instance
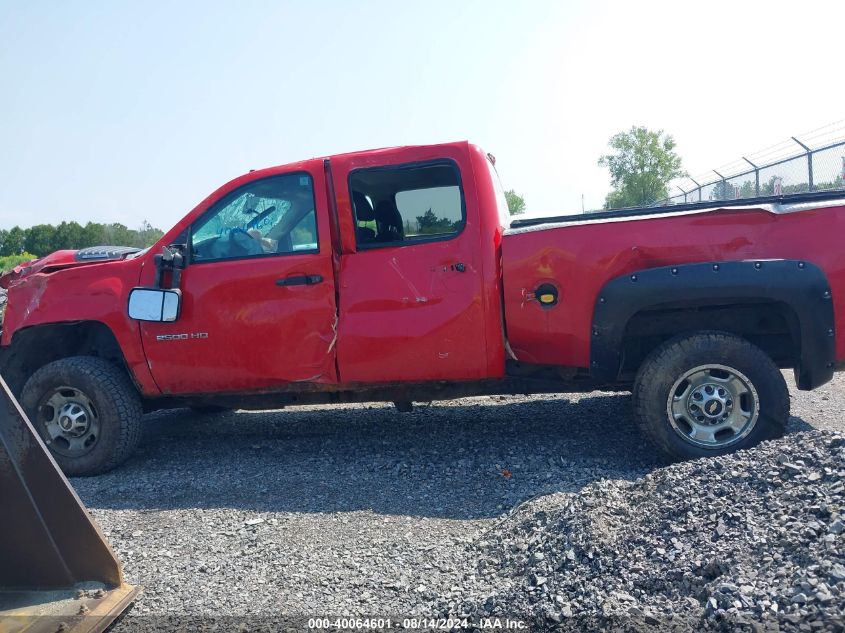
(181, 337)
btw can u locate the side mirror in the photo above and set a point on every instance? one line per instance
(153, 304)
(171, 259)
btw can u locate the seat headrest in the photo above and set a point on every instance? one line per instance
(387, 212)
(363, 209)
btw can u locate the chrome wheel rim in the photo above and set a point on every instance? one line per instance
(713, 406)
(70, 421)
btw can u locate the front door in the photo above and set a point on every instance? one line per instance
(411, 294)
(258, 297)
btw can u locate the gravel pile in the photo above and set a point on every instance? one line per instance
(755, 538)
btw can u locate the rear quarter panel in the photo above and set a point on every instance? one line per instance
(580, 258)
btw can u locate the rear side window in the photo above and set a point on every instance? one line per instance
(407, 204)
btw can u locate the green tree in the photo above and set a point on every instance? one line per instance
(838, 183)
(149, 235)
(43, 239)
(14, 242)
(748, 189)
(430, 224)
(768, 188)
(516, 203)
(39, 239)
(641, 167)
(68, 235)
(723, 191)
(117, 234)
(93, 235)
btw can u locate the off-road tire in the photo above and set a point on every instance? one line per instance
(210, 409)
(669, 362)
(114, 395)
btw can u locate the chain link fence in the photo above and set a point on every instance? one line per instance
(813, 163)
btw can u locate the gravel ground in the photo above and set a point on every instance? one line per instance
(705, 545)
(364, 511)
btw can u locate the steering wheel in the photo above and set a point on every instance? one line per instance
(242, 243)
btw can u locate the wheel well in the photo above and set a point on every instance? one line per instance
(770, 325)
(34, 347)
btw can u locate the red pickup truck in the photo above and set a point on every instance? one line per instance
(392, 275)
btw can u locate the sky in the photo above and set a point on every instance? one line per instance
(131, 111)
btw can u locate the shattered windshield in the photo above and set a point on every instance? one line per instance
(269, 216)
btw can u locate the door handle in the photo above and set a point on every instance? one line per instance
(460, 267)
(300, 280)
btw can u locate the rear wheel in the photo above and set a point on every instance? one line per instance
(87, 412)
(709, 394)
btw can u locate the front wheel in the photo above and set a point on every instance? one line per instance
(87, 412)
(709, 394)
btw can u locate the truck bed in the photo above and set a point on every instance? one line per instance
(580, 254)
(769, 203)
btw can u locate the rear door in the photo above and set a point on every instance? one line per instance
(258, 306)
(411, 292)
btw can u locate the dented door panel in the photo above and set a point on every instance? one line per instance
(239, 331)
(408, 315)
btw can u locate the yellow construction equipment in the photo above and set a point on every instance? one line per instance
(57, 572)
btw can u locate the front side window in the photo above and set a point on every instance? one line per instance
(273, 216)
(396, 206)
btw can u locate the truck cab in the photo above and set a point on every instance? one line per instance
(391, 277)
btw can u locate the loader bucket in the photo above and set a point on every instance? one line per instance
(57, 573)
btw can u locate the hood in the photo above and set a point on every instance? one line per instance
(67, 259)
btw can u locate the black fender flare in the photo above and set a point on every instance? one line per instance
(801, 285)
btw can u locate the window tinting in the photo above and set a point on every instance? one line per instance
(400, 205)
(267, 217)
